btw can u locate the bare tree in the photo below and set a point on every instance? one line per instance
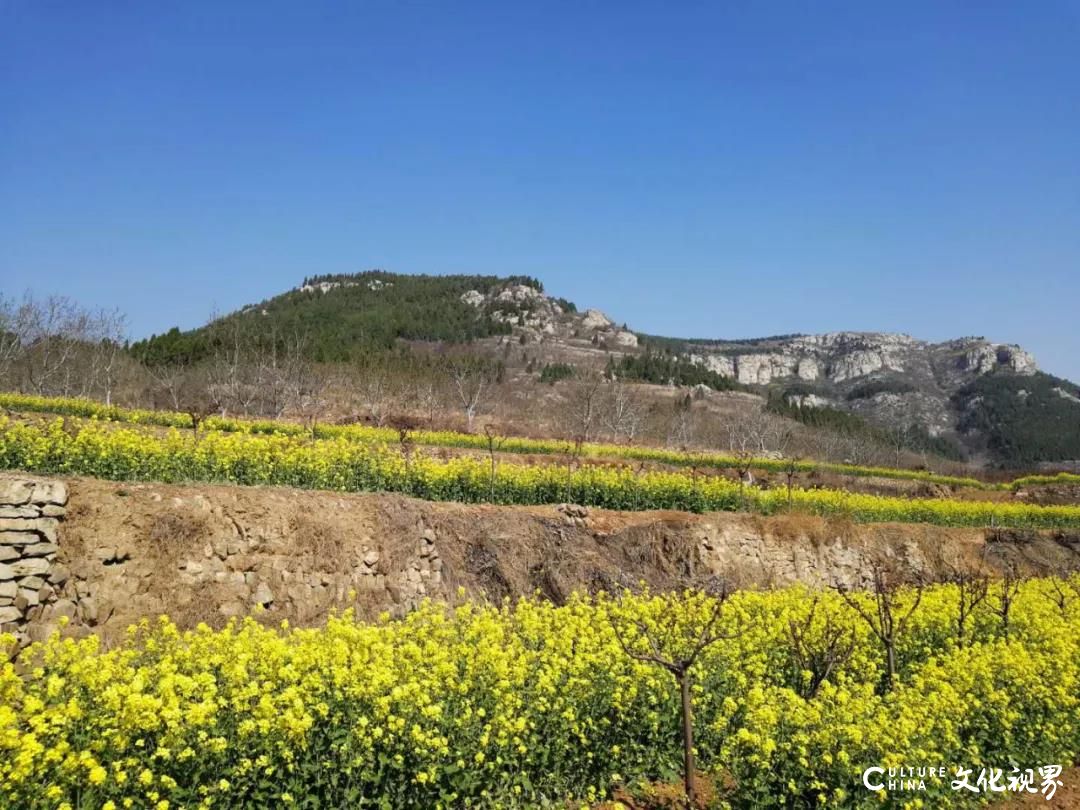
(791, 469)
(282, 371)
(818, 652)
(888, 618)
(898, 438)
(675, 643)
(234, 368)
(110, 331)
(195, 397)
(472, 378)
(54, 330)
(583, 404)
(682, 429)
(372, 381)
(1066, 590)
(757, 431)
(169, 380)
(405, 425)
(859, 449)
(972, 586)
(573, 455)
(744, 463)
(425, 394)
(54, 346)
(12, 335)
(311, 402)
(829, 441)
(622, 413)
(1004, 594)
(494, 443)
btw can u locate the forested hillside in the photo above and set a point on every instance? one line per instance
(1024, 419)
(342, 316)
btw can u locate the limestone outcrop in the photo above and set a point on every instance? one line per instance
(843, 357)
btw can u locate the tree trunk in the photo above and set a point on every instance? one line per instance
(688, 738)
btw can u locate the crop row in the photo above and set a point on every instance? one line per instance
(1044, 480)
(339, 464)
(446, 438)
(533, 705)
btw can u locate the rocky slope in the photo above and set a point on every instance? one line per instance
(842, 358)
(891, 379)
(537, 317)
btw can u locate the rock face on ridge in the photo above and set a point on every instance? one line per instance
(537, 317)
(892, 380)
(889, 379)
(841, 357)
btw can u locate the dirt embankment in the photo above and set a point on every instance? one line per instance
(205, 553)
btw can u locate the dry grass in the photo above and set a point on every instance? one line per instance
(174, 534)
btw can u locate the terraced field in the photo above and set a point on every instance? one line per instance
(357, 458)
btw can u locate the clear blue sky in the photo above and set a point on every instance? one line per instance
(705, 169)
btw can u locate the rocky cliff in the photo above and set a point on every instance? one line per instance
(890, 379)
(842, 358)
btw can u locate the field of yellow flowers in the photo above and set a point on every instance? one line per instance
(132, 454)
(446, 438)
(534, 705)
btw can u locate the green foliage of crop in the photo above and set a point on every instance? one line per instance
(1044, 480)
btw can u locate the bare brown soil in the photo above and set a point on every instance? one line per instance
(1067, 797)
(200, 552)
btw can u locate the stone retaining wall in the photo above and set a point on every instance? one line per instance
(30, 576)
(204, 553)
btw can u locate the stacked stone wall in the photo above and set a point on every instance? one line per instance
(30, 576)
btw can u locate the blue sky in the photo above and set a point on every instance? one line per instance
(698, 169)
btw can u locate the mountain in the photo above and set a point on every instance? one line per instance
(991, 398)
